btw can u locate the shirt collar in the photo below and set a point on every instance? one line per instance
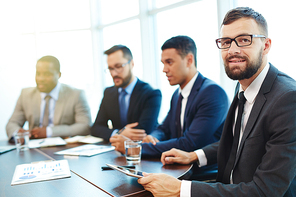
(253, 89)
(54, 93)
(187, 89)
(129, 89)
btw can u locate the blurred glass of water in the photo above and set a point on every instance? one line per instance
(22, 141)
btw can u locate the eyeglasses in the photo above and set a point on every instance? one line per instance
(118, 68)
(240, 41)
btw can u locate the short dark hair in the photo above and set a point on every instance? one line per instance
(52, 60)
(125, 50)
(183, 44)
(246, 12)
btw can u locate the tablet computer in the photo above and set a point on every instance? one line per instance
(127, 171)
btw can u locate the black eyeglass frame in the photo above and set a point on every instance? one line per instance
(234, 39)
(116, 68)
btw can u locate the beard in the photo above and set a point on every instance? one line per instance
(251, 68)
(126, 80)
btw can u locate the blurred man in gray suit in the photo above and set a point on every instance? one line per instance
(52, 109)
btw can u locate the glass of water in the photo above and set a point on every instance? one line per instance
(133, 151)
(22, 141)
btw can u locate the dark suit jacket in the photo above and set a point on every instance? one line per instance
(204, 117)
(143, 108)
(266, 160)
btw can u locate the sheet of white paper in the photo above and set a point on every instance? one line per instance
(86, 150)
(40, 171)
(53, 141)
(84, 139)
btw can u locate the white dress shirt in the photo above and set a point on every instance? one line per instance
(185, 93)
(250, 94)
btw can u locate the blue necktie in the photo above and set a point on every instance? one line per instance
(178, 114)
(123, 108)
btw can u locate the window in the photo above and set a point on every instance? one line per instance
(198, 21)
(116, 10)
(127, 33)
(78, 31)
(280, 30)
(164, 3)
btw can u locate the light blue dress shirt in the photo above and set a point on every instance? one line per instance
(129, 90)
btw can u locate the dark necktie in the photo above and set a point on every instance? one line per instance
(123, 108)
(178, 114)
(237, 128)
(46, 112)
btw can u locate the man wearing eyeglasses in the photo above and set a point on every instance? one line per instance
(256, 152)
(131, 104)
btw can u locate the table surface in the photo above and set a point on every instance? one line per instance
(74, 186)
(87, 177)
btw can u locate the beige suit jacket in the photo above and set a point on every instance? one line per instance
(71, 115)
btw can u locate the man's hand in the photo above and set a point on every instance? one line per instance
(21, 130)
(150, 138)
(178, 156)
(161, 184)
(118, 142)
(38, 132)
(133, 134)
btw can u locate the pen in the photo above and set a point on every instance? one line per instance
(41, 141)
(108, 168)
(120, 131)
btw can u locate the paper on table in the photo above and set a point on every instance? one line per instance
(84, 139)
(53, 141)
(4, 149)
(86, 150)
(91, 139)
(40, 171)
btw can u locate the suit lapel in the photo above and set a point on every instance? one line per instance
(59, 105)
(115, 103)
(133, 99)
(36, 109)
(258, 105)
(194, 91)
(174, 103)
(226, 140)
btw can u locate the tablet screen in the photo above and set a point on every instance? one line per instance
(127, 171)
